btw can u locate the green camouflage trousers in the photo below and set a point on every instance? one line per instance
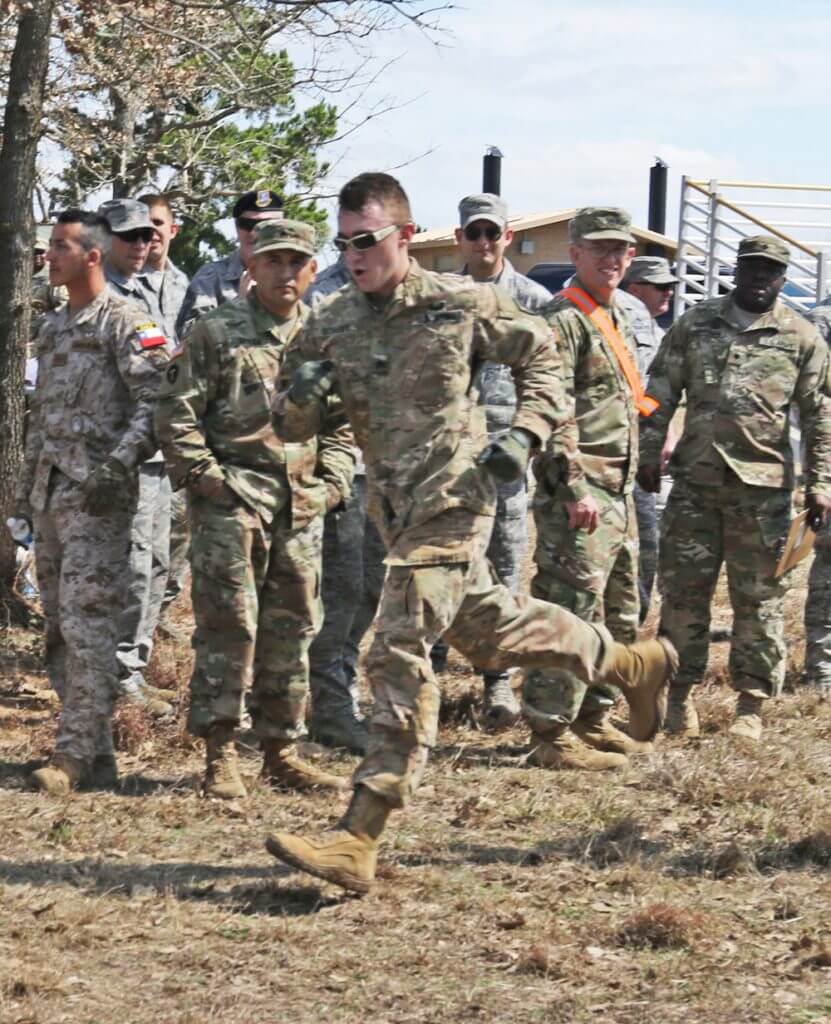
(494, 628)
(745, 528)
(82, 574)
(596, 577)
(256, 602)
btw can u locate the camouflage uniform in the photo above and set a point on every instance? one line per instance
(595, 453)
(99, 372)
(255, 555)
(432, 502)
(818, 602)
(733, 471)
(168, 288)
(210, 286)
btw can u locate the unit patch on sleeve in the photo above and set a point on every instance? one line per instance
(150, 335)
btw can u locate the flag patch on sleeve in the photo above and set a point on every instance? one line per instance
(150, 335)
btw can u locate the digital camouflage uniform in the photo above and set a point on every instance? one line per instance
(210, 286)
(594, 453)
(98, 377)
(818, 603)
(733, 476)
(407, 378)
(255, 558)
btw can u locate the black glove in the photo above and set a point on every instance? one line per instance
(108, 488)
(313, 382)
(818, 508)
(507, 459)
(649, 477)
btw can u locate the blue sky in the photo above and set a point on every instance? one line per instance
(580, 98)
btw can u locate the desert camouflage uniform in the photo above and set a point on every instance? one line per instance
(407, 378)
(150, 529)
(818, 603)
(93, 400)
(210, 286)
(734, 473)
(255, 557)
(594, 454)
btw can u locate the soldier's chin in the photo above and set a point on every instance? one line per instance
(361, 280)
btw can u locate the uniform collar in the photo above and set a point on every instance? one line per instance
(267, 323)
(775, 319)
(88, 312)
(505, 278)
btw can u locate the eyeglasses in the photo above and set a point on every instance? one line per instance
(662, 287)
(365, 240)
(136, 235)
(492, 232)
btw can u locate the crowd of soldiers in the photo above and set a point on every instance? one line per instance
(326, 452)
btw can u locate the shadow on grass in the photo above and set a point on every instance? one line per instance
(185, 881)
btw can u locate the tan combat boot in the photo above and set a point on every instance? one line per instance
(222, 777)
(681, 718)
(345, 856)
(642, 671)
(285, 769)
(596, 730)
(60, 776)
(563, 751)
(748, 721)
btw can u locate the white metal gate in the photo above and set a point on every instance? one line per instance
(716, 215)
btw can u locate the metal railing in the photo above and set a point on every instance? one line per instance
(711, 225)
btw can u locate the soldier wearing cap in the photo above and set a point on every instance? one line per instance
(587, 544)
(649, 280)
(257, 509)
(132, 233)
(229, 277)
(744, 361)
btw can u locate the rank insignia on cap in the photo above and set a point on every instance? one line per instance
(263, 198)
(150, 335)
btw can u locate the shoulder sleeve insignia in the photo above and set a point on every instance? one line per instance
(150, 335)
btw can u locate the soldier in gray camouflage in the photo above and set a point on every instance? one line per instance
(91, 426)
(257, 510)
(743, 361)
(401, 345)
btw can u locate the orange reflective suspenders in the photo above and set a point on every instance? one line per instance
(645, 404)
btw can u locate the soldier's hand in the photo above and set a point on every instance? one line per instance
(312, 382)
(818, 508)
(649, 477)
(108, 488)
(507, 459)
(583, 514)
(334, 498)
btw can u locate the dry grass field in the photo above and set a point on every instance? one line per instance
(693, 887)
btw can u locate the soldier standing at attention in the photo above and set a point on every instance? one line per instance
(650, 280)
(91, 427)
(402, 347)
(229, 277)
(257, 509)
(743, 361)
(587, 543)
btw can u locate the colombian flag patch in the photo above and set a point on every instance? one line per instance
(150, 335)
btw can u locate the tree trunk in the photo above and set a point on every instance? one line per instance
(21, 132)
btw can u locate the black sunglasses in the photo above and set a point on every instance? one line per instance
(663, 287)
(365, 240)
(247, 223)
(136, 235)
(491, 232)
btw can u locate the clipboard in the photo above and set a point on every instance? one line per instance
(799, 544)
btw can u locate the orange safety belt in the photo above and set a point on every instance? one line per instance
(644, 403)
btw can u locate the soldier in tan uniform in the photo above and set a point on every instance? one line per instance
(587, 540)
(91, 426)
(402, 346)
(257, 509)
(743, 361)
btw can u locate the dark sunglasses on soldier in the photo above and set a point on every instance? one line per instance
(473, 233)
(663, 287)
(136, 235)
(247, 223)
(365, 240)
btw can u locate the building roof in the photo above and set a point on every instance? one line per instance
(445, 236)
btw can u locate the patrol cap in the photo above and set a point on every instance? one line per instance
(594, 223)
(125, 215)
(483, 206)
(43, 237)
(284, 234)
(261, 200)
(767, 246)
(649, 270)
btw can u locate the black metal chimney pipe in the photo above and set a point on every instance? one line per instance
(657, 205)
(492, 170)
